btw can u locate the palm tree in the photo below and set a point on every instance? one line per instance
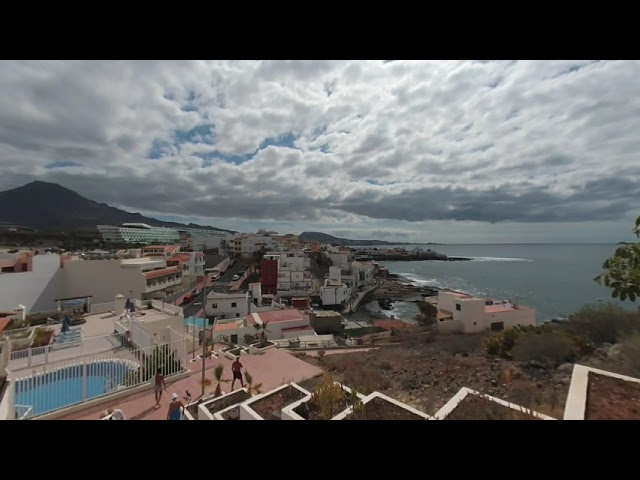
(262, 328)
(252, 389)
(217, 373)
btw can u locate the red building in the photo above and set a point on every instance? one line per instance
(269, 276)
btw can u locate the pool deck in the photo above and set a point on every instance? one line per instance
(270, 368)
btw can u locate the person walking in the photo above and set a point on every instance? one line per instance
(236, 368)
(159, 386)
(176, 408)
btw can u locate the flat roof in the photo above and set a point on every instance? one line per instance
(289, 315)
(139, 261)
(498, 308)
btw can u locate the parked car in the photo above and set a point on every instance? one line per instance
(236, 277)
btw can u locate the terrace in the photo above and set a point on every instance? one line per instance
(600, 395)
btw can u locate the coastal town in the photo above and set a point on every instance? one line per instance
(97, 334)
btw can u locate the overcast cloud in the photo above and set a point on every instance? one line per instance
(444, 151)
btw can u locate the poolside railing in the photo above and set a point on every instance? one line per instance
(58, 385)
(66, 346)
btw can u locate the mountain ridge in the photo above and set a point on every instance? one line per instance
(50, 206)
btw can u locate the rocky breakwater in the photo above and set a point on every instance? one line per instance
(393, 256)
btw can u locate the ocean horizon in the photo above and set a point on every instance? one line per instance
(554, 278)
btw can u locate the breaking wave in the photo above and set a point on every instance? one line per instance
(499, 259)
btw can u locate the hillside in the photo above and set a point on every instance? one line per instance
(326, 238)
(49, 206)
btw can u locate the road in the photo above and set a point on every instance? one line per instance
(191, 309)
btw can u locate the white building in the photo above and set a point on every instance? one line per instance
(364, 272)
(470, 314)
(191, 264)
(334, 292)
(227, 305)
(280, 324)
(143, 278)
(138, 233)
(36, 289)
(293, 275)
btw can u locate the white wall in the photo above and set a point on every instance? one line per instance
(7, 403)
(224, 305)
(36, 290)
(334, 295)
(339, 259)
(103, 279)
(511, 318)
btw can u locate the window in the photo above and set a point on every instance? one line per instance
(497, 326)
(214, 305)
(234, 305)
(458, 307)
(237, 315)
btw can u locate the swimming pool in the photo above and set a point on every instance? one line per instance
(198, 322)
(63, 387)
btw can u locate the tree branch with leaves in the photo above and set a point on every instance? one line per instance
(622, 270)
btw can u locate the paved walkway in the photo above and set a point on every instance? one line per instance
(271, 368)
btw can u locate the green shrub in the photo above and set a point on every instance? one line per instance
(606, 323)
(547, 348)
(502, 343)
(40, 318)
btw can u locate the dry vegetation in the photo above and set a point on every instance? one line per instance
(530, 366)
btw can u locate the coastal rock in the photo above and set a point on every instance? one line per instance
(565, 368)
(614, 350)
(536, 364)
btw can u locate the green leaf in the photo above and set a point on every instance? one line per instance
(632, 296)
(623, 296)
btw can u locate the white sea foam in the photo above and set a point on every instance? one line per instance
(499, 259)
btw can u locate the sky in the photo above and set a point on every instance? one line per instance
(412, 151)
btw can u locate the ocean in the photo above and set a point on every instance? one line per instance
(556, 279)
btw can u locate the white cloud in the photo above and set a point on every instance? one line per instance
(316, 144)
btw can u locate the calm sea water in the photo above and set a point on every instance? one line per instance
(556, 279)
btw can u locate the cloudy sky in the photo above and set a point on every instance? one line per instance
(442, 151)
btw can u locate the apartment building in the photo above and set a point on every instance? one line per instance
(227, 305)
(138, 233)
(363, 272)
(191, 264)
(334, 292)
(163, 251)
(286, 273)
(468, 314)
(143, 278)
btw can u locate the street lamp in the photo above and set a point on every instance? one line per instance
(204, 331)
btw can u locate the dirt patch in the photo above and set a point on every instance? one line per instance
(474, 407)
(229, 400)
(269, 407)
(309, 384)
(611, 398)
(427, 375)
(380, 409)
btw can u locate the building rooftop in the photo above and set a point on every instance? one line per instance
(326, 313)
(306, 328)
(5, 322)
(139, 261)
(227, 295)
(276, 316)
(390, 324)
(162, 272)
(499, 308)
(179, 257)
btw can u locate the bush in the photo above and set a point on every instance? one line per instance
(605, 323)
(502, 343)
(631, 355)
(546, 348)
(357, 373)
(40, 318)
(321, 353)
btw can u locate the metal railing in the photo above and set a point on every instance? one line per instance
(66, 347)
(59, 385)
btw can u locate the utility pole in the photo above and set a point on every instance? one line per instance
(204, 331)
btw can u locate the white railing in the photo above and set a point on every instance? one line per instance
(18, 332)
(166, 307)
(67, 346)
(59, 385)
(102, 308)
(5, 355)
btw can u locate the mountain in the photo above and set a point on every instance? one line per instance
(49, 206)
(326, 238)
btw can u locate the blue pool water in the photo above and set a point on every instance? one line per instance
(63, 387)
(198, 322)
